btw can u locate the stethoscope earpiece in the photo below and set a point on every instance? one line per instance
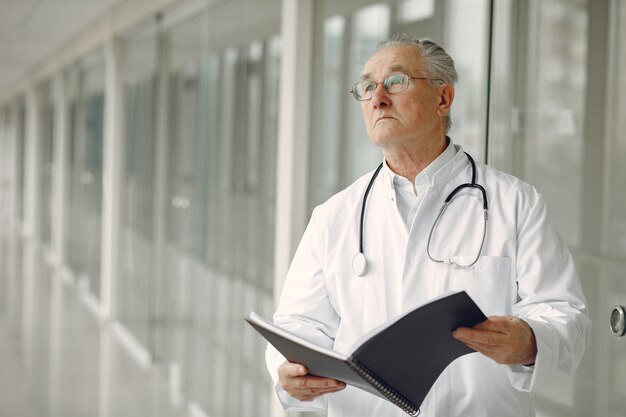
(359, 264)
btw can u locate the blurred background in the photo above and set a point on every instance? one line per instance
(159, 160)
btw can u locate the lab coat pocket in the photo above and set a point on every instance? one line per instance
(488, 282)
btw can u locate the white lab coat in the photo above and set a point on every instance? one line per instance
(524, 270)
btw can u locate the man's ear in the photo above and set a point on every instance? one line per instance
(446, 97)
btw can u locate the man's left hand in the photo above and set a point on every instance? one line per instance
(508, 340)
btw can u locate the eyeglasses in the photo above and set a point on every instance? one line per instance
(395, 83)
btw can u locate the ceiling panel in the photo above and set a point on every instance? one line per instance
(31, 30)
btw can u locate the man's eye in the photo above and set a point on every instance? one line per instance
(394, 80)
(369, 87)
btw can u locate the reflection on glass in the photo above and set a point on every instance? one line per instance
(135, 286)
(84, 191)
(540, 80)
(20, 138)
(340, 149)
(222, 101)
(542, 123)
(467, 24)
(614, 244)
(46, 146)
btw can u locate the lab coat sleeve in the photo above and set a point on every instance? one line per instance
(550, 297)
(304, 309)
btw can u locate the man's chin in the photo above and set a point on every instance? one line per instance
(382, 140)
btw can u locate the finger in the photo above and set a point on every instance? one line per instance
(500, 324)
(482, 348)
(486, 337)
(317, 383)
(311, 396)
(304, 393)
(322, 391)
(292, 370)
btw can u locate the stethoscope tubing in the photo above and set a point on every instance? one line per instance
(359, 263)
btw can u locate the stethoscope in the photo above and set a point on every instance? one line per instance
(359, 263)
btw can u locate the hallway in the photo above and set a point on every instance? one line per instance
(57, 359)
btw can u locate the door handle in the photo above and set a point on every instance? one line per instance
(618, 321)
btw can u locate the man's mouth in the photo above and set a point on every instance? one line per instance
(383, 118)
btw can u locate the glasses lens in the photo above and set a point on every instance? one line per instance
(396, 83)
(363, 90)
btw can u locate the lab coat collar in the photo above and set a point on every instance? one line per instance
(442, 169)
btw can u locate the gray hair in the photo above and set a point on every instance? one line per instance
(436, 61)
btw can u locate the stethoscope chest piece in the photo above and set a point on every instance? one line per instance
(359, 264)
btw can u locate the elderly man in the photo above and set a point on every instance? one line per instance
(381, 247)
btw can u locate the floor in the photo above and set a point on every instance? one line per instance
(57, 358)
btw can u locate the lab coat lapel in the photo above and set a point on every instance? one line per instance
(423, 279)
(386, 236)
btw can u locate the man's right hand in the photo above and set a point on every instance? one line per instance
(293, 379)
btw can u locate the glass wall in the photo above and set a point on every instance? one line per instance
(222, 98)
(6, 158)
(192, 203)
(550, 128)
(135, 290)
(542, 121)
(346, 34)
(615, 244)
(46, 146)
(7, 174)
(20, 142)
(609, 355)
(84, 188)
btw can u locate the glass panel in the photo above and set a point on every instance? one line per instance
(544, 122)
(615, 244)
(544, 66)
(20, 137)
(71, 243)
(349, 33)
(611, 356)
(86, 112)
(46, 141)
(71, 193)
(135, 288)
(222, 101)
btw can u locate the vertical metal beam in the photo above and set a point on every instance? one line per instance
(160, 190)
(13, 163)
(594, 178)
(293, 132)
(297, 34)
(32, 166)
(595, 124)
(59, 175)
(111, 176)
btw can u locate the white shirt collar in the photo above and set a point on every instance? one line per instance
(427, 175)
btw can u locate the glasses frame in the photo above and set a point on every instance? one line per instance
(353, 90)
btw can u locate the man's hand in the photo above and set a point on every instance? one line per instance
(293, 379)
(508, 340)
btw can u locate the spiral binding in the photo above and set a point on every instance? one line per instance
(385, 389)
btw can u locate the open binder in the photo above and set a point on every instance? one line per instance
(399, 361)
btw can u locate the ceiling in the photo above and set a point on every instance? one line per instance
(31, 30)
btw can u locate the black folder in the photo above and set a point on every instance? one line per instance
(399, 360)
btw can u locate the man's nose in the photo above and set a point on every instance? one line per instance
(380, 98)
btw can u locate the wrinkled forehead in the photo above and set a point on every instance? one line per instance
(398, 58)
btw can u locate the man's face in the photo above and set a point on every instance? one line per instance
(412, 115)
